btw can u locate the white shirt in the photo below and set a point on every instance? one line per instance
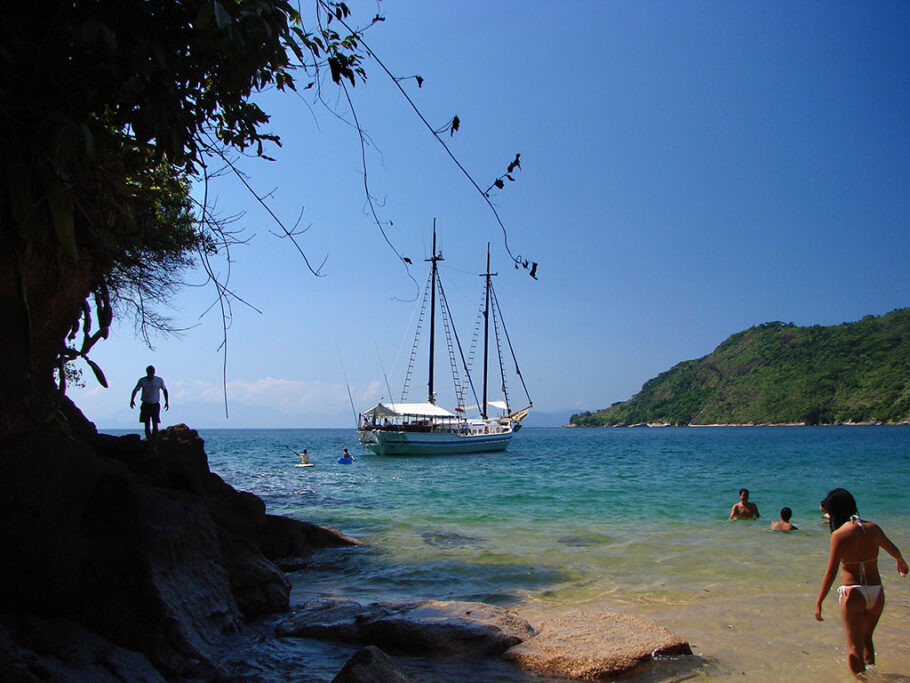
(151, 387)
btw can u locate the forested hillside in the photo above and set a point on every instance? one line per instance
(779, 373)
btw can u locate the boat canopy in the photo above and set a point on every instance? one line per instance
(383, 410)
(499, 405)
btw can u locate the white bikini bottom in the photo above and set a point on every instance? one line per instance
(870, 593)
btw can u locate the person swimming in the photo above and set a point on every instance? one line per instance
(854, 548)
(744, 509)
(784, 523)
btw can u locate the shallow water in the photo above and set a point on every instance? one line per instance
(627, 519)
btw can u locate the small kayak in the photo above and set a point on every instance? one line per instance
(345, 461)
(305, 464)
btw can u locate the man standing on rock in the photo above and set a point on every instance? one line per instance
(150, 408)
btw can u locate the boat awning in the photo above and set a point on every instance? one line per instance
(499, 405)
(382, 410)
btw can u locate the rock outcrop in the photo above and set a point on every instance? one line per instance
(595, 645)
(137, 543)
(371, 665)
(422, 628)
(581, 644)
(62, 649)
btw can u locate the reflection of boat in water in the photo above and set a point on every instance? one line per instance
(426, 428)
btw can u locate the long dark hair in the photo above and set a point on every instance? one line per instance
(840, 506)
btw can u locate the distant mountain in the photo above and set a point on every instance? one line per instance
(542, 418)
(779, 373)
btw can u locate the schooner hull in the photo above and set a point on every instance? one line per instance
(427, 443)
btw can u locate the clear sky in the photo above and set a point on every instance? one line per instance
(688, 170)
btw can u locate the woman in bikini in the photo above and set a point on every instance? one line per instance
(854, 546)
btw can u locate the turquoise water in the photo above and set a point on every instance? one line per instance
(625, 519)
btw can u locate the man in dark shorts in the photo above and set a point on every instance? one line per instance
(150, 408)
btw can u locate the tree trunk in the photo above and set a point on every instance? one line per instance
(40, 299)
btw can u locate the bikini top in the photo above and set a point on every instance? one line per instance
(861, 563)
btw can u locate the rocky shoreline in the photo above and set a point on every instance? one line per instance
(130, 560)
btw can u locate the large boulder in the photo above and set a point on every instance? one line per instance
(154, 579)
(283, 537)
(430, 627)
(61, 649)
(371, 665)
(595, 645)
(257, 587)
(46, 484)
(139, 542)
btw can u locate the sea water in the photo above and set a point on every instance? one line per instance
(630, 520)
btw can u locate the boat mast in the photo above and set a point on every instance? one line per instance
(486, 331)
(433, 259)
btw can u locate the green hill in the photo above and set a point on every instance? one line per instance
(779, 373)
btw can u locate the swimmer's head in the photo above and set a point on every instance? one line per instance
(744, 494)
(785, 514)
(841, 505)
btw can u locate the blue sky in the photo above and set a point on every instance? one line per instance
(688, 170)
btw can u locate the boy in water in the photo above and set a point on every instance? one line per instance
(784, 523)
(744, 509)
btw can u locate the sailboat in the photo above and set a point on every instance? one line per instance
(427, 428)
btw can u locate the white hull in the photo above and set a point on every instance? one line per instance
(393, 442)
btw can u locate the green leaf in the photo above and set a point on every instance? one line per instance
(99, 373)
(204, 16)
(222, 18)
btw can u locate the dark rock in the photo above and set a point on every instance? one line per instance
(183, 453)
(135, 454)
(238, 512)
(46, 484)
(82, 428)
(334, 619)
(371, 665)
(290, 564)
(258, 585)
(595, 645)
(155, 578)
(430, 627)
(61, 649)
(140, 546)
(194, 543)
(285, 537)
